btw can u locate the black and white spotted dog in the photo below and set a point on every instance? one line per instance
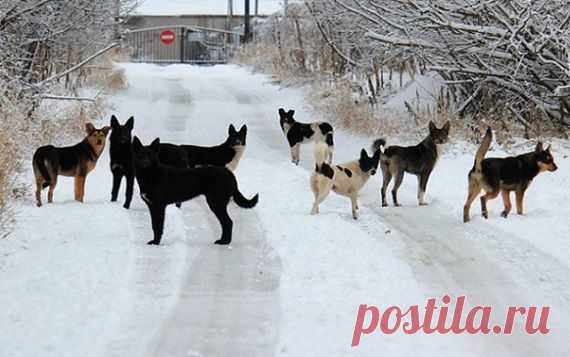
(301, 133)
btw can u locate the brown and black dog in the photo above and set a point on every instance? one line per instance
(419, 160)
(77, 161)
(504, 175)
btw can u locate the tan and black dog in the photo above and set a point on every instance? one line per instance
(418, 160)
(504, 175)
(77, 161)
(346, 179)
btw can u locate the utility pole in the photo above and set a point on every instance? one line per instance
(285, 7)
(256, 8)
(246, 29)
(229, 19)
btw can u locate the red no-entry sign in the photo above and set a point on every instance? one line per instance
(167, 37)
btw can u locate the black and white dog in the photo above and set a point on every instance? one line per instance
(227, 154)
(300, 133)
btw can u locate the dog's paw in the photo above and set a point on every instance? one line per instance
(397, 205)
(504, 214)
(153, 242)
(127, 206)
(222, 242)
(113, 199)
(466, 219)
(485, 215)
(423, 204)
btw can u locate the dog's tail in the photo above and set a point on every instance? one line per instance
(39, 161)
(485, 144)
(322, 153)
(379, 144)
(243, 202)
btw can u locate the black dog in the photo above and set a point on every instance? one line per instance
(162, 185)
(226, 154)
(122, 162)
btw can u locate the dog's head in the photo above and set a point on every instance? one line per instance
(236, 138)
(544, 158)
(439, 136)
(146, 156)
(121, 134)
(286, 117)
(369, 164)
(96, 137)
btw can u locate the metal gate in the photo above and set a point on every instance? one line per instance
(182, 44)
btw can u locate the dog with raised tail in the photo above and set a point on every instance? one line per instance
(504, 175)
(419, 160)
(300, 133)
(346, 179)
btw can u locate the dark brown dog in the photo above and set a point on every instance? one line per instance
(77, 161)
(504, 175)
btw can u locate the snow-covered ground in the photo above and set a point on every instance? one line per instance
(78, 279)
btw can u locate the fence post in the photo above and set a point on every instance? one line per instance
(182, 44)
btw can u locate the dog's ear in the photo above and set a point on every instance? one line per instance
(114, 122)
(291, 113)
(539, 147)
(232, 130)
(548, 148)
(137, 145)
(243, 129)
(155, 145)
(89, 128)
(130, 124)
(281, 112)
(446, 126)
(432, 126)
(106, 129)
(363, 154)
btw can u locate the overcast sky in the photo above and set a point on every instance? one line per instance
(187, 7)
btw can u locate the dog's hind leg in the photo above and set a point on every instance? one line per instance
(52, 185)
(507, 202)
(474, 190)
(488, 196)
(320, 196)
(220, 209)
(117, 177)
(397, 183)
(387, 177)
(520, 199)
(157, 217)
(39, 186)
(129, 191)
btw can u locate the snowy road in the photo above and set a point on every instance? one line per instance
(290, 283)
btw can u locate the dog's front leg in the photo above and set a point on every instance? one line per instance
(129, 191)
(296, 153)
(117, 177)
(79, 188)
(354, 201)
(422, 188)
(520, 199)
(157, 216)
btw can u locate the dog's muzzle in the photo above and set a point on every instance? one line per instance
(99, 142)
(553, 167)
